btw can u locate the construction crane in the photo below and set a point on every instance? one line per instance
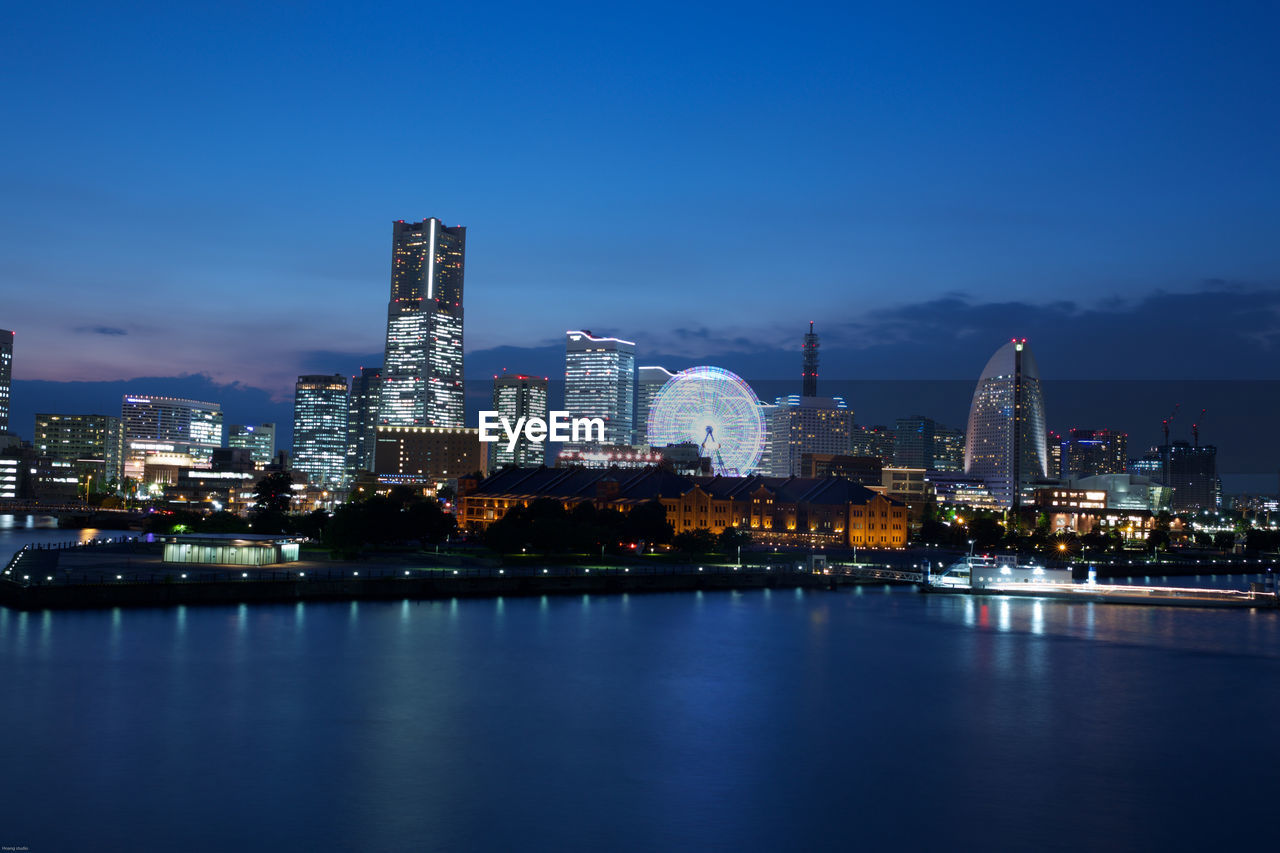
(1195, 429)
(1165, 423)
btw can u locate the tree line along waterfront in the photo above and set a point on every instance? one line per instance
(402, 518)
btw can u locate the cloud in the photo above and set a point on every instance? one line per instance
(1216, 329)
(101, 330)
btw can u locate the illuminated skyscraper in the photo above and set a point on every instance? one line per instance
(1005, 443)
(169, 429)
(6, 376)
(93, 444)
(320, 429)
(599, 382)
(422, 373)
(807, 425)
(649, 381)
(518, 396)
(259, 440)
(362, 420)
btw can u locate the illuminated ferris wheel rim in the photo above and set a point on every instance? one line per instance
(714, 409)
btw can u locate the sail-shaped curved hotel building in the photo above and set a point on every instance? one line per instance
(1005, 444)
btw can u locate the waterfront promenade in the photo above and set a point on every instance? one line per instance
(127, 571)
(134, 574)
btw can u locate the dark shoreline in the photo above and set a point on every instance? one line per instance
(172, 592)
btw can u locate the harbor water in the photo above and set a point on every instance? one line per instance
(866, 718)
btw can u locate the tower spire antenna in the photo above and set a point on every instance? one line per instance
(809, 386)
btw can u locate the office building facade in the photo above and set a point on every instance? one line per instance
(428, 456)
(362, 419)
(807, 425)
(258, 439)
(160, 430)
(1005, 444)
(421, 383)
(649, 381)
(320, 429)
(92, 444)
(517, 396)
(599, 382)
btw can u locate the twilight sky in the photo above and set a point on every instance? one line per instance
(208, 188)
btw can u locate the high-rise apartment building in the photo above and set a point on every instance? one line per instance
(649, 381)
(422, 372)
(599, 380)
(92, 444)
(6, 376)
(259, 440)
(1093, 452)
(517, 396)
(1005, 444)
(362, 420)
(320, 429)
(169, 430)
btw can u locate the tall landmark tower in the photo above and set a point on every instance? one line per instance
(810, 388)
(422, 372)
(1005, 443)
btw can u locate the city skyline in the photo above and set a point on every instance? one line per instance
(294, 558)
(1247, 462)
(875, 326)
(1075, 198)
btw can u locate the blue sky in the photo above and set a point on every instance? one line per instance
(208, 188)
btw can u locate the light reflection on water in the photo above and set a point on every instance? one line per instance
(19, 530)
(641, 722)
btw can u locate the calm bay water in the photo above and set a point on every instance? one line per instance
(756, 720)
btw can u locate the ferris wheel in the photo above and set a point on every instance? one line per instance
(715, 410)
